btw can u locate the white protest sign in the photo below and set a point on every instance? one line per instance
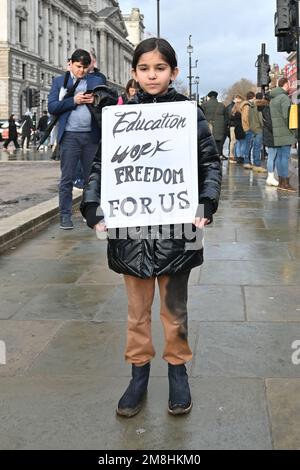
(149, 164)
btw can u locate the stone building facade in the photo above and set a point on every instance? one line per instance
(38, 36)
(135, 26)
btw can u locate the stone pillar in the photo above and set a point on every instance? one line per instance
(11, 21)
(110, 58)
(32, 26)
(86, 37)
(56, 36)
(103, 52)
(122, 69)
(64, 36)
(72, 35)
(116, 62)
(4, 83)
(80, 35)
(46, 31)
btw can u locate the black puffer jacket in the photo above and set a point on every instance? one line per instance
(268, 138)
(238, 128)
(145, 257)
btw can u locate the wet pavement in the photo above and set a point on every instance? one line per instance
(26, 179)
(63, 319)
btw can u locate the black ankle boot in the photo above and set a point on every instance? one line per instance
(180, 401)
(132, 400)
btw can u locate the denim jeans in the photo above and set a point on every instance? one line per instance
(248, 144)
(74, 146)
(257, 146)
(283, 155)
(272, 159)
(240, 148)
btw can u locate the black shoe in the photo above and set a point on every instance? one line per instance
(132, 400)
(66, 223)
(180, 401)
(223, 157)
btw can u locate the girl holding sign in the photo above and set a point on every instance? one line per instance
(170, 261)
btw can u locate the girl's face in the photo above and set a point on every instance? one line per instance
(153, 73)
(132, 91)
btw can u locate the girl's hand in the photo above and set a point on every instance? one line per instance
(200, 222)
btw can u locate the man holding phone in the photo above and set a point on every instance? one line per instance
(78, 132)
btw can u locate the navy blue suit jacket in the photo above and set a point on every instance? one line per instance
(64, 108)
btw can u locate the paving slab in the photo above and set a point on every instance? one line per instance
(239, 251)
(24, 342)
(246, 350)
(41, 249)
(280, 303)
(39, 272)
(245, 234)
(253, 273)
(67, 301)
(284, 406)
(12, 299)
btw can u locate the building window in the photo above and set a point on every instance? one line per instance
(51, 47)
(61, 59)
(40, 9)
(40, 41)
(21, 20)
(32, 72)
(24, 71)
(22, 32)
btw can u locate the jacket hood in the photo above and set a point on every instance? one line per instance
(276, 92)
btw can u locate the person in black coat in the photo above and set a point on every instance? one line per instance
(169, 260)
(230, 123)
(236, 119)
(27, 128)
(12, 133)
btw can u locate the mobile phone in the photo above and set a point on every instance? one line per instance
(88, 92)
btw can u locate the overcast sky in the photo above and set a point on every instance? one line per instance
(226, 36)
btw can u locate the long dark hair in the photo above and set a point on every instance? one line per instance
(152, 44)
(131, 84)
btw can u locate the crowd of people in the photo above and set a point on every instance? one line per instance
(22, 132)
(257, 126)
